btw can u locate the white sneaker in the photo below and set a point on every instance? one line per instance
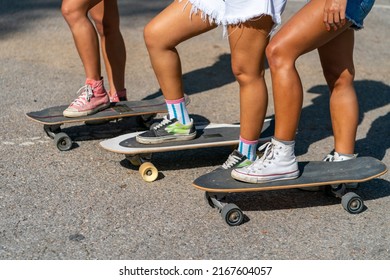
(337, 157)
(277, 163)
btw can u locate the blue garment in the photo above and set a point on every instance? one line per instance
(357, 10)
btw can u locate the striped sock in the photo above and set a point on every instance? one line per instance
(248, 148)
(177, 110)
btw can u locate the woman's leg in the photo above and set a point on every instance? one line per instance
(337, 64)
(84, 34)
(247, 44)
(304, 32)
(93, 96)
(106, 18)
(162, 34)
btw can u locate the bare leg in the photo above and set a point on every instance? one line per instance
(84, 34)
(162, 34)
(247, 44)
(304, 32)
(106, 18)
(337, 63)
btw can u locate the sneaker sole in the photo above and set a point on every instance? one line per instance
(69, 114)
(165, 140)
(256, 180)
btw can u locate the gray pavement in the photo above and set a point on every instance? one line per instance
(88, 203)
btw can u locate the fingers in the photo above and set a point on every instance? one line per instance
(334, 16)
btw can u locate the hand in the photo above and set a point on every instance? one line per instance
(334, 14)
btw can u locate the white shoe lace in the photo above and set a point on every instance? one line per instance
(268, 155)
(84, 97)
(231, 161)
(165, 121)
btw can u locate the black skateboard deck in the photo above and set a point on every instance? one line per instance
(314, 173)
(52, 118)
(210, 135)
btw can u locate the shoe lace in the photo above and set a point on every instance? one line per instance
(329, 158)
(268, 155)
(231, 161)
(164, 122)
(85, 96)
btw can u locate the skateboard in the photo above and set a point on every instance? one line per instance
(210, 135)
(334, 175)
(52, 118)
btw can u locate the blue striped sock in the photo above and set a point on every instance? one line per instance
(177, 109)
(248, 148)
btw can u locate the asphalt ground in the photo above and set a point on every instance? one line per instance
(88, 203)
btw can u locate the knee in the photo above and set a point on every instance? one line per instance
(151, 35)
(278, 56)
(156, 37)
(70, 13)
(245, 74)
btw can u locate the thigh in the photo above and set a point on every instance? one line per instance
(305, 31)
(177, 23)
(248, 41)
(79, 5)
(337, 56)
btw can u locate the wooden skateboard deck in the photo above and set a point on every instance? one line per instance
(315, 173)
(52, 118)
(210, 135)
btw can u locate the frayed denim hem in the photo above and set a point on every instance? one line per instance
(356, 26)
(237, 21)
(216, 15)
(212, 16)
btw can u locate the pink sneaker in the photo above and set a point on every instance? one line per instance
(92, 99)
(118, 96)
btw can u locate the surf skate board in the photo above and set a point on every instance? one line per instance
(52, 118)
(210, 135)
(335, 175)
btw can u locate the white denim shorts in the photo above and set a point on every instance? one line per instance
(228, 12)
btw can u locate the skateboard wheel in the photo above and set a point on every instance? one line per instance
(63, 141)
(148, 172)
(232, 215)
(352, 203)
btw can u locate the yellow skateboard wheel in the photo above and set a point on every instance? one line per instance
(148, 172)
